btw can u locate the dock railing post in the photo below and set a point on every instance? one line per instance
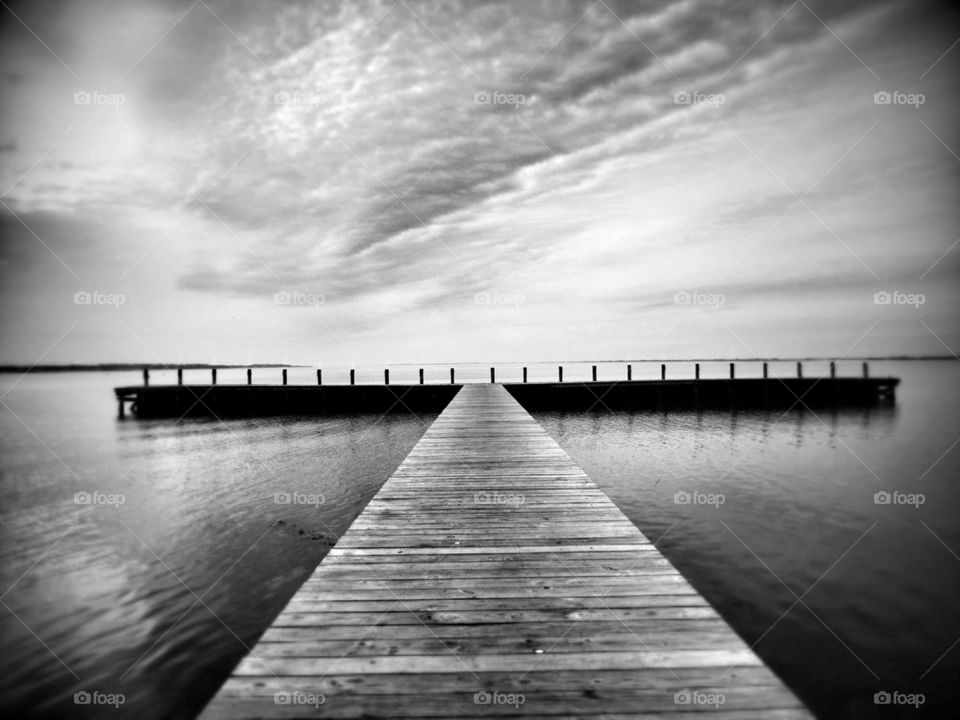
(180, 376)
(493, 377)
(866, 370)
(284, 376)
(765, 371)
(629, 372)
(799, 369)
(353, 376)
(421, 376)
(560, 372)
(732, 371)
(146, 377)
(663, 371)
(833, 370)
(451, 376)
(524, 374)
(594, 372)
(249, 376)
(213, 376)
(696, 371)
(386, 376)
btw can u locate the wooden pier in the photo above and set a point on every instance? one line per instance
(491, 577)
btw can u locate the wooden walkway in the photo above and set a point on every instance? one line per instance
(490, 577)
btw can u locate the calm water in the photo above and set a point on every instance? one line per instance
(880, 584)
(157, 597)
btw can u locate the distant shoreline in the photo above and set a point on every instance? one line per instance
(126, 367)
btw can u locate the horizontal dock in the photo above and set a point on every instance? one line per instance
(490, 576)
(175, 401)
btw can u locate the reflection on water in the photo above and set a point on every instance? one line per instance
(843, 597)
(159, 596)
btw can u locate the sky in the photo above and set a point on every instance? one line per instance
(333, 183)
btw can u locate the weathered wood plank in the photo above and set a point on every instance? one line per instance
(489, 562)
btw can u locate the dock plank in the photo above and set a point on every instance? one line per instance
(490, 576)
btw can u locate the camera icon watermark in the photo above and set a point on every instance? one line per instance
(683, 497)
(96, 697)
(883, 97)
(298, 498)
(696, 697)
(93, 97)
(896, 697)
(99, 498)
(498, 498)
(494, 297)
(297, 298)
(487, 697)
(495, 97)
(298, 99)
(296, 697)
(703, 299)
(896, 297)
(692, 97)
(84, 297)
(895, 497)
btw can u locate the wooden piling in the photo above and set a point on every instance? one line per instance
(319, 377)
(799, 370)
(833, 370)
(560, 373)
(696, 371)
(732, 371)
(249, 376)
(386, 376)
(213, 376)
(524, 374)
(663, 371)
(765, 371)
(451, 376)
(493, 377)
(353, 377)
(594, 372)
(284, 376)
(421, 376)
(179, 376)
(866, 370)
(629, 372)
(146, 377)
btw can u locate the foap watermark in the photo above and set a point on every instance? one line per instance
(896, 297)
(298, 99)
(895, 497)
(495, 97)
(96, 697)
(488, 697)
(84, 297)
(88, 97)
(297, 697)
(883, 97)
(698, 498)
(696, 697)
(498, 498)
(99, 498)
(684, 297)
(298, 498)
(692, 97)
(495, 297)
(895, 697)
(295, 297)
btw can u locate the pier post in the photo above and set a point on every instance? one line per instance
(451, 376)
(766, 388)
(732, 371)
(524, 374)
(629, 372)
(284, 376)
(493, 377)
(421, 376)
(833, 370)
(764, 371)
(146, 377)
(386, 376)
(663, 371)
(319, 376)
(560, 372)
(120, 412)
(179, 376)
(249, 376)
(353, 376)
(213, 376)
(866, 370)
(799, 370)
(696, 371)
